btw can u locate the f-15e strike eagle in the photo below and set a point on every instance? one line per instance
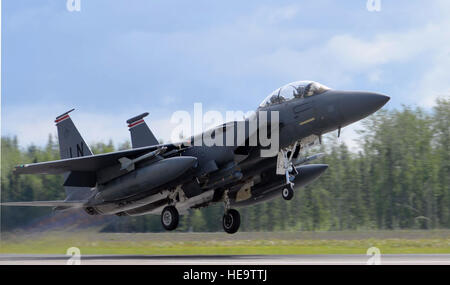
(169, 179)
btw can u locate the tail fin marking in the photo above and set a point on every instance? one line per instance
(141, 135)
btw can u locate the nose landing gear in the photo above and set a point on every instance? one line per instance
(286, 167)
(288, 192)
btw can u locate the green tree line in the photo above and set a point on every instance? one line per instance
(398, 178)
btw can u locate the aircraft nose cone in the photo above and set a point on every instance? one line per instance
(355, 106)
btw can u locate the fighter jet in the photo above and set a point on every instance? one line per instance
(169, 179)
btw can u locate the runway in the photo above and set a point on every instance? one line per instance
(332, 259)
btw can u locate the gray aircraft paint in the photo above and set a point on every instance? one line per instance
(141, 135)
(144, 178)
(72, 144)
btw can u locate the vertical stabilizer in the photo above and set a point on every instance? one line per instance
(141, 135)
(71, 144)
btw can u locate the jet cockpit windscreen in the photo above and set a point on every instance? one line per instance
(298, 89)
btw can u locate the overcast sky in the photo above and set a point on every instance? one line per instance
(115, 59)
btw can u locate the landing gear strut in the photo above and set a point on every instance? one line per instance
(170, 218)
(231, 219)
(286, 167)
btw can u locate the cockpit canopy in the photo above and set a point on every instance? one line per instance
(298, 89)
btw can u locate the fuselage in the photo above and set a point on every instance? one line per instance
(238, 163)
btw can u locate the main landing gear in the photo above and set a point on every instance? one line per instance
(169, 215)
(231, 219)
(170, 218)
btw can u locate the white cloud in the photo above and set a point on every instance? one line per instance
(29, 124)
(341, 58)
(435, 82)
(257, 44)
(280, 13)
(375, 75)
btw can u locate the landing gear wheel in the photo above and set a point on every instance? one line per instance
(231, 221)
(287, 192)
(170, 218)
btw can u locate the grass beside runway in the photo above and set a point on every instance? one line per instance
(389, 242)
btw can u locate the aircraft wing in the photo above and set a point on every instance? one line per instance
(71, 204)
(87, 163)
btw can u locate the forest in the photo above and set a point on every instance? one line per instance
(397, 178)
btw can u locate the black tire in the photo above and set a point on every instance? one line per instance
(287, 192)
(231, 221)
(170, 218)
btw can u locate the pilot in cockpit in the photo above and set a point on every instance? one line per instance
(295, 90)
